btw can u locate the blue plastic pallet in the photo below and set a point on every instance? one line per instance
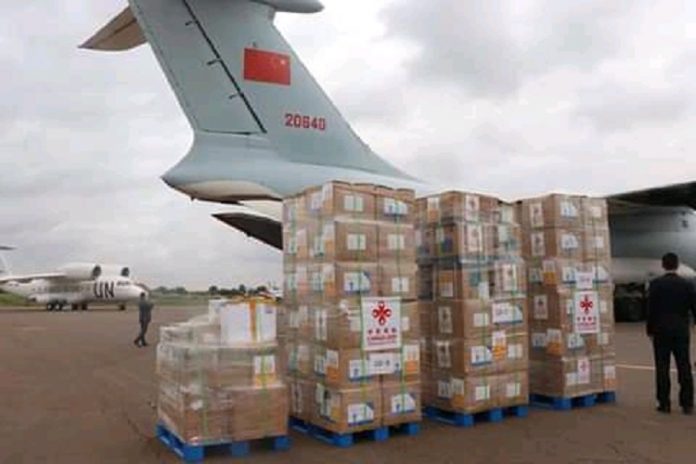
(346, 440)
(194, 453)
(460, 419)
(566, 404)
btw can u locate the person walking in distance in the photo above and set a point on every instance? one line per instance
(145, 310)
(671, 302)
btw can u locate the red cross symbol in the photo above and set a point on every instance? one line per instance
(586, 304)
(381, 313)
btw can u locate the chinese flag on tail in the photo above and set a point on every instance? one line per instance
(269, 67)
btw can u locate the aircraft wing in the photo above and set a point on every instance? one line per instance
(266, 230)
(676, 195)
(121, 33)
(30, 277)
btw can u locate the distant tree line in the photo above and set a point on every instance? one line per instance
(214, 290)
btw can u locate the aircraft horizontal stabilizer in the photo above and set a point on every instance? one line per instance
(264, 229)
(121, 33)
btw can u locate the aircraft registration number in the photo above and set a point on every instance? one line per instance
(300, 121)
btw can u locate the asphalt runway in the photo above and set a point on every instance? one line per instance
(74, 389)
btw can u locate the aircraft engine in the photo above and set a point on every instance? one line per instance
(113, 270)
(82, 271)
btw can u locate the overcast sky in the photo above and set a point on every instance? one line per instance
(514, 98)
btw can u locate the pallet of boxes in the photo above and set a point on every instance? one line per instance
(220, 384)
(567, 248)
(350, 326)
(472, 308)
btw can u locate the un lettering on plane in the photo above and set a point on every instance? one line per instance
(104, 290)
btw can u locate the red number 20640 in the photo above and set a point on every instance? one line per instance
(299, 121)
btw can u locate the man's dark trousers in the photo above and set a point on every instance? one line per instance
(666, 346)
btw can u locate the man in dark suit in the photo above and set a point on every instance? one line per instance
(671, 302)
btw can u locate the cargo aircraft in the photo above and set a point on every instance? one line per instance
(264, 129)
(76, 285)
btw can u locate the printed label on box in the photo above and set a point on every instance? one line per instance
(264, 370)
(400, 284)
(569, 242)
(503, 313)
(472, 205)
(457, 393)
(444, 319)
(444, 389)
(403, 403)
(568, 209)
(510, 279)
(554, 341)
(444, 356)
(538, 244)
(484, 291)
(474, 239)
(320, 364)
(539, 340)
(381, 323)
(356, 282)
(353, 203)
(536, 214)
(321, 327)
(447, 290)
(411, 357)
(583, 371)
(571, 379)
(481, 355)
(480, 320)
(406, 324)
(382, 364)
(584, 280)
(356, 242)
(596, 212)
(359, 414)
(575, 341)
(358, 369)
(296, 401)
(332, 365)
(482, 393)
(516, 351)
(541, 307)
(513, 390)
(396, 242)
(586, 312)
(499, 342)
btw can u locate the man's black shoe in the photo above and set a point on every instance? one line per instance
(664, 409)
(689, 411)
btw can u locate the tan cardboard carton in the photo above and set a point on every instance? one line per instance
(558, 271)
(597, 243)
(558, 307)
(344, 240)
(340, 200)
(401, 402)
(396, 243)
(564, 243)
(548, 343)
(425, 282)
(552, 211)
(348, 410)
(459, 206)
(398, 279)
(301, 399)
(498, 279)
(395, 206)
(300, 358)
(595, 212)
(470, 394)
(258, 413)
(512, 389)
(335, 281)
(476, 318)
(572, 376)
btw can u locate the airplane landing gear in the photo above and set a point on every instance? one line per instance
(74, 307)
(49, 306)
(122, 307)
(83, 307)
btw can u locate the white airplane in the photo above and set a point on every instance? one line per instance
(76, 284)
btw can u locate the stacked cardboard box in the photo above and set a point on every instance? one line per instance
(219, 375)
(567, 248)
(350, 324)
(472, 303)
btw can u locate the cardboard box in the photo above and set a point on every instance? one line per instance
(340, 200)
(563, 243)
(335, 281)
(344, 240)
(552, 343)
(194, 418)
(552, 211)
(348, 410)
(300, 358)
(395, 206)
(425, 282)
(476, 318)
(496, 279)
(573, 376)
(258, 413)
(301, 399)
(462, 206)
(398, 280)
(396, 243)
(401, 402)
(559, 307)
(470, 394)
(558, 271)
(595, 212)
(500, 351)
(597, 241)
(513, 389)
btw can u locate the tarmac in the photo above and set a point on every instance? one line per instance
(74, 389)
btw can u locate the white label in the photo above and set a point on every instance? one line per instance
(516, 351)
(319, 393)
(321, 318)
(418, 238)
(400, 284)
(583, 371)
(296, 401)
(554, 336)
(541, 307)
(568, 274)
(575, 341)
(358, 369)
(513, 390)
(457, 386)
(571, 379)
(474, 239)
(569, 242)
(481, 320)
(353, 203)
(568, 209)
(596, 212)
(394, 207)
(484, 291)
(539, 340)
(586, 312)
(315, 201)
(471, 207)
(361, 413)
(599, 243)
(406, 324)
(510, 280)
(481, 355)
(356, 242)
(444, 389)
(584, 280)
(264, 365)
(403, 403)
(603, 339)
(535, 275)
(536, 214)
(396, 242)
(610, 372)
(482, 393)
(538, 244)
(439, 235)
(356, 282)
(503, 313)
(320, 364)
(382, 364)
(332, 359)
(381, 323)
(444, 356)
(444, 319)
(447, 290)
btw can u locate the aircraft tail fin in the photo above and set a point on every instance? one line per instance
(241, 84)
(4, 266)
